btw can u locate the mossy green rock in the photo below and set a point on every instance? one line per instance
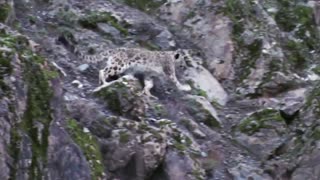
(93, 18)
(37, 116)
(266, 118)
(89, 146)
(298, 18)
(241, 13)
(123, 99)
(144, 5)
(201, 114)
(4, 12)
(5, 70)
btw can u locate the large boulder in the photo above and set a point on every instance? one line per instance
(202, 79)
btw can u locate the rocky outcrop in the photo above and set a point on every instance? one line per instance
(252, 112)
(206, 29)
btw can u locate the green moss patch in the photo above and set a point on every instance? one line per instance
(313, 99)
(123, 99)
(201, 114)
(316, 70)
(195, 90)
(316, 133)
(148, 6)
(49, 74)
(239, 13)
(242, 13)
(111, 96)
(159, 110)
(4, 12)
(124, 137)
(5, 70)
(67, 17)
(297, 53)
(6, 41)
(291, 14)
(181, 142)
(93, 18)
(200, 92)
(14, 150)
(266, 118)
(89, 147)
(299, 20)
(149, 45)
(37, 116)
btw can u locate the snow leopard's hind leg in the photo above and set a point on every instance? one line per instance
(102, 80)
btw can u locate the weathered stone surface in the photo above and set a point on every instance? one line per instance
(252, 112)
(243, 171)
(209, 31)
(181, 167)
(7, 10)
(261, 132)
(202, 79)
(203, 111)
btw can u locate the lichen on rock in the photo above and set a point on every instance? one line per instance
(35, 121)
(89, 146)
(5, 9)
(252, 112)
(93, 18)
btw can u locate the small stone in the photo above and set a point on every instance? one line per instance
(313, 77)
(106, 28)
(86, 130)
(265, 51)
(199, 133)
(13, 79)
(83, 67)
(204, 154)
(272, 10)
(77, 83)
(172, 43)
(70, 97)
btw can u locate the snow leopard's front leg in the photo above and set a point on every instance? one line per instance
(173, 77)
(102, 79)
(148, 85)
(183, 87)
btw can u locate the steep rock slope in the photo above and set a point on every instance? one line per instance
(252, 112)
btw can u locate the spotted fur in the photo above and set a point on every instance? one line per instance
(122, 61)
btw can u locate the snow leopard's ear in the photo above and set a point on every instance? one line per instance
(177, 54)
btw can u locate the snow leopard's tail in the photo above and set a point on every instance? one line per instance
(69, 42)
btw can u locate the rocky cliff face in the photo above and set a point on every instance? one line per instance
(252, 112)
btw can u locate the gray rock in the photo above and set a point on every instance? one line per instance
(266, 50)
(8, 11)
(203, 79)
(83, 67)
(244, 172)
(209, 31)
(106, 28)
(66, 160)
(165, 40)
(261, 132)
(309, 167)
(181, 167)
